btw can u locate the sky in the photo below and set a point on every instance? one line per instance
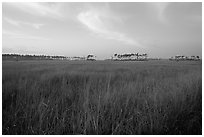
(103, 29)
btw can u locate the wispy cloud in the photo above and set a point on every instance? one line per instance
(19, 23)
(20, 35)
(95, 21)
(160, 9)
(39, 9)
(12, 22)
(37, 26)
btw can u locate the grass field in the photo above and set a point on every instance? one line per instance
(101, 97)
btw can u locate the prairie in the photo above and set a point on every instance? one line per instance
(101, 97)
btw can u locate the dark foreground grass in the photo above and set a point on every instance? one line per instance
(102, 97)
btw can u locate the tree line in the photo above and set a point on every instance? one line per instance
(31, 57)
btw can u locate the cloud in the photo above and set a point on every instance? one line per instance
(39, 9)
(20, 35)
(12, 22)
(95, 21)
(37, 26)
(21, 23)
(160, 9)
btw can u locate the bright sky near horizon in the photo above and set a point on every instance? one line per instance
(78, 29)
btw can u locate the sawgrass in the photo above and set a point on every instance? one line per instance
(101, 97)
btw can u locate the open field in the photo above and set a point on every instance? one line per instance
(101, 97)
